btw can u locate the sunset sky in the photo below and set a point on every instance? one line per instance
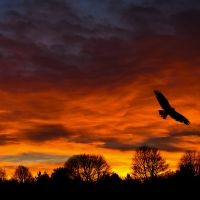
(78, 77)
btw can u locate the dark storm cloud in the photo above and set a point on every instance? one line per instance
(37, 134)
(169, 6)
(114, 143)
(164, 143)
(61, 44)
(144, 19)
(42, 45)
(161, 143)
(42, 133)
(167, 143)
(187, 21)
(108, 142)
(8, 139)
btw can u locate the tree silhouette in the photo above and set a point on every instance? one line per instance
(87, 168)
(189, 163)
(42, 178)
(81, 177)
(22, 174)
(147, 163)
(2, 174)
(60, 176)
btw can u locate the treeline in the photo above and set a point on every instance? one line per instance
(90, 176)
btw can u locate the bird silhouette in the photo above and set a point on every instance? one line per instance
(168, 110)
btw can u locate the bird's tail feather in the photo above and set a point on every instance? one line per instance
(163, 114)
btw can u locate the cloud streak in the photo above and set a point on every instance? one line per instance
(32, 157)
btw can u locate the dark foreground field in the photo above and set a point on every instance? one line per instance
(111, 188)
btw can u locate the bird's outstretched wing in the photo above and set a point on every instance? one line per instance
(178, 117)
(162, 100)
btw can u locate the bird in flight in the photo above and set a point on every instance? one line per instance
(168, 110)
